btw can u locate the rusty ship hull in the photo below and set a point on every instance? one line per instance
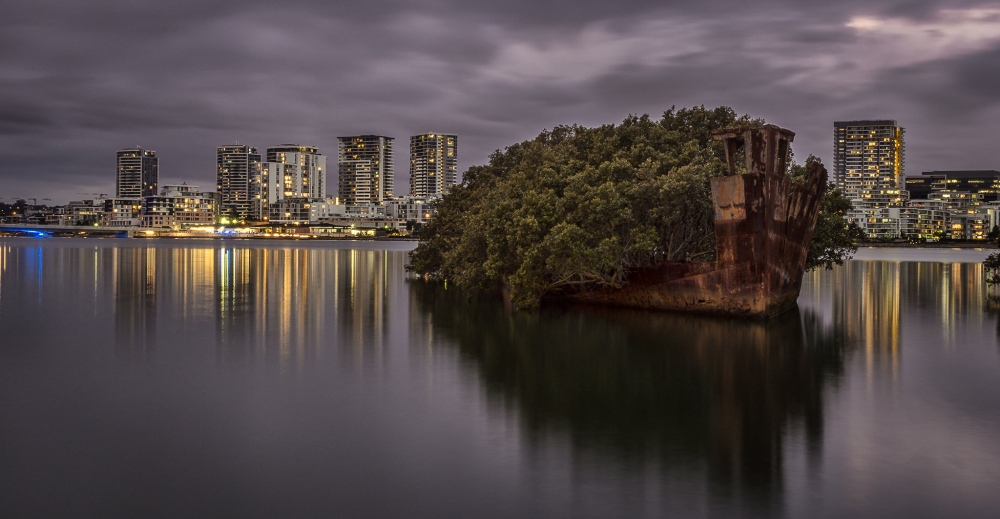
(763, 225)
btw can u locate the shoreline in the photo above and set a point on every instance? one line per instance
(213, 237)
(931, 245)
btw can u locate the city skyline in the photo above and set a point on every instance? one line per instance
(81, 80)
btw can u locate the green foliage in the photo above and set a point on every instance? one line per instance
(991, 269)
(834, 240)
(580, 208)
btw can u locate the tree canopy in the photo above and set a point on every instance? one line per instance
(991, 269)
(579, 208)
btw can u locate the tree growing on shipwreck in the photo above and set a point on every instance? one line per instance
(579, 210)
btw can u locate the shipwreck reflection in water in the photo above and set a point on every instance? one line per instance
(687, 391)
(298, 365)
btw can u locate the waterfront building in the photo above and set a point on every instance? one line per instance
(982, 182)
(238, 181)
(301, 211)
(137, 173)
(968, 201)
(305, 174)
(291, 171)
(352, 226)
(273, 177)
(121, 212)
(922, 221)
(433, 164)
(365, 169)
(410, 209)
(974, 225)
(360, 220)
(868, 160)
(868, 156)
(941, 216)
(179, 207)
(84, 212)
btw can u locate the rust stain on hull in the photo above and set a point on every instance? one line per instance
(763, 226)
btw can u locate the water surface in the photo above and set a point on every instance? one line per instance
(247, 378)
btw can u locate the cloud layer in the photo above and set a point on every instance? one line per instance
(78, 82)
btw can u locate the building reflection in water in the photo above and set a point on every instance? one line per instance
(719, 394)
(282, 306)
(4, 258)
(870, 302)
(371, 276)
(723, 402)
(134, 285)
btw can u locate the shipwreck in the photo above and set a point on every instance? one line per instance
(763, 225)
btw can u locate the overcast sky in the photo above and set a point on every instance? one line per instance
(80, 80)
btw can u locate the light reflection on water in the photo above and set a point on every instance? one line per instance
(248, 378)
(273, 303)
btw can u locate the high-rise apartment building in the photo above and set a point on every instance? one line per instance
(137, 173)
(291, 171)
(294, 171)
(433, 164)
(868, 159)
(238, 181)
(365, 169)
(868, 168)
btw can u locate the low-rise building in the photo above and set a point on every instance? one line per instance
(179, 207)
(122, 212)
(301, 211)
(84, 212)
(410, 209)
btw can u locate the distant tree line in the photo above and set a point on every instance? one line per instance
(17, 207)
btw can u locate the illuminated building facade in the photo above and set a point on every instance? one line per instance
(121, 212)
(302, 211)
(137, 173)
(868, 160)
(868, 168)
(365, 169)
(433, 164)
(306, 178)
(410, 209)
(238, 181)
(84, 212)
(967, 203)
(291, 171)
(985, 183)
(178, 207)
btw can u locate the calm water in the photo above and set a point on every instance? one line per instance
(240, 378)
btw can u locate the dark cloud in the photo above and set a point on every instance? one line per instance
(79, 80)
(949, 89)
